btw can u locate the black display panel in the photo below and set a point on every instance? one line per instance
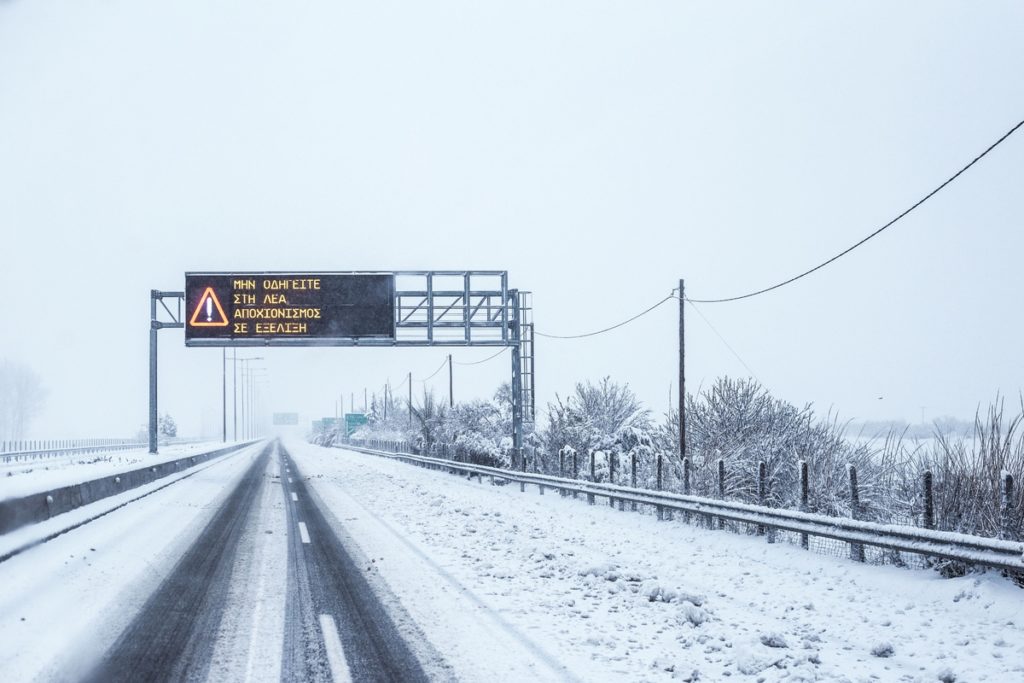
(248, 307)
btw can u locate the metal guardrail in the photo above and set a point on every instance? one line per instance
(990, 552)
(50, 449)
(37, 507)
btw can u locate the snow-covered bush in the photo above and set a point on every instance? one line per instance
(588, 421)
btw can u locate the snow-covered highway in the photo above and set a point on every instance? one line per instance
(295, 562)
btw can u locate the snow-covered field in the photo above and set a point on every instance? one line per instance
(24, 478)
(591, 593)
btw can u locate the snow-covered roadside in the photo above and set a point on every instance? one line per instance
(25, 478)
(616, 595)
(64, 602)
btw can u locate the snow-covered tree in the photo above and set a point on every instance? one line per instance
(22, 397)
(166, 426)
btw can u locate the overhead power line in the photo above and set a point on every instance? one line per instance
(478, 362)
(874, 234)
(431, 376)
(607, 329)
(722, 339)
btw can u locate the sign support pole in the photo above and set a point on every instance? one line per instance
(155, 326)
(517, 379)
(153, 329)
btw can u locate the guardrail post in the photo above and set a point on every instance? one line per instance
(929, 501)
(804, 496)
(660, 509)
(856, 549)
(632, 477)
(1006, 530)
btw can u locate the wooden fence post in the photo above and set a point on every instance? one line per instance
(575, 469)
(856, 549)
(804, 498)
(660, 509)
(929, 501)
(721, 489)
(686, 485)
(632, 477)
(593, 477)
(611, 476)
(762, 475)
(522, 484)
(1006, 530)
(561, 469)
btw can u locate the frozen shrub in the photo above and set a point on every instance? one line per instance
(884, 649)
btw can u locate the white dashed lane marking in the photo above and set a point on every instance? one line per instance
(294, 496)
(303, 532)
(335, 655)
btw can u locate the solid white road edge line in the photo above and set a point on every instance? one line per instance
(335, 655)
(303, 532)
(294, 496)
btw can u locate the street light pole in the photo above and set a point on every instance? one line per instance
(246, 394)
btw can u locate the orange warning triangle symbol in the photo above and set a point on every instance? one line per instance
(208, 311)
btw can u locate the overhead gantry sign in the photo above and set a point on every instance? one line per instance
(401, 308)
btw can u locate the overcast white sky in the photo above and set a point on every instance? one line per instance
(597, 151)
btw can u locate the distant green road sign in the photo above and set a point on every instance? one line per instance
(354, 421)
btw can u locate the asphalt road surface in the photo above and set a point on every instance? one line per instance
(336, 628)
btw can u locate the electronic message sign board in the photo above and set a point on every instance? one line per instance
(242, 309)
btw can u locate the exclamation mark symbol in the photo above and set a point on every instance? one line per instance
(209, 309)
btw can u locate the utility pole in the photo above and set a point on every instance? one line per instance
(224, 393)
(410, 399)
(682, 370)
(385, 402)
(364, 400)
(234, 391)
(451, 384)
